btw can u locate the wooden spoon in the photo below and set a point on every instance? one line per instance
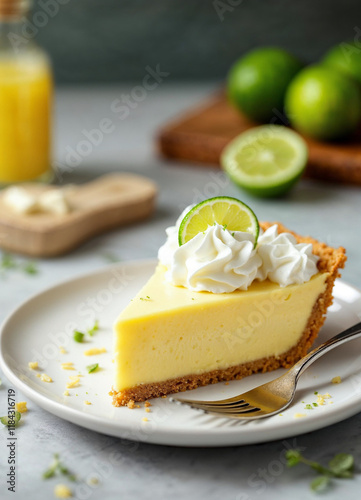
(112, 200)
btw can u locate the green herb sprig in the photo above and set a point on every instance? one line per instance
(94, 328)
(340, 467)
(78, 336)
(92, 368)
(56, 467)
(8, 262)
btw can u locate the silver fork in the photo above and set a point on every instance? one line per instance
(273, 397)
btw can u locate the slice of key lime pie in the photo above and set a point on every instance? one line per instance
(228, 298)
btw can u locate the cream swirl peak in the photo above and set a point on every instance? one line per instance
(285, 261)
(221, 261)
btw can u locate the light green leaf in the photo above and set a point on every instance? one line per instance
(342, 462)
(320, 483)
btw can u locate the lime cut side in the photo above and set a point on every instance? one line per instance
(265, 160)
(232, 214)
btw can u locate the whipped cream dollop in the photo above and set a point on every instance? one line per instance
(221, 261)
(285, 261)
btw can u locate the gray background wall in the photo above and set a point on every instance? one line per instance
(94, 41)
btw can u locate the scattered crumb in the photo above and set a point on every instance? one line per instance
(93, 480)
(280, 414)
(164, 396)
(67, 366)
(321, 398)
(21, 406)
(226, 383)
(74, 381)
(146, 404)
(336, 380)
(86, 402)
(299, 415)
(148, 410)
(38, 375)
(62, 491)
(131, 404)
(45, 378)
(33, 365)
(94, 350)
(62, 350)
(145, 419)
(113, 360)
(66, 393)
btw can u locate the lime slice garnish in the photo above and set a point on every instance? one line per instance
(266, 160)
(228, 212)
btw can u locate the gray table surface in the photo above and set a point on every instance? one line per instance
(327, 211)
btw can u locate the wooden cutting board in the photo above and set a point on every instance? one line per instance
(201, 134)
(98, 206)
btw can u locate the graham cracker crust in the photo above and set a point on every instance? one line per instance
(330, 260)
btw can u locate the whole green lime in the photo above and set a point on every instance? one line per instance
(258, 81)
(323, 103)
(345, 57)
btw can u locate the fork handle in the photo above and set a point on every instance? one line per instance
(351, 333)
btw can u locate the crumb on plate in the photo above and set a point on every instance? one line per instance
(299, 415)
(45, 378)
(74, 381)
(33, 365)
(67, 366)
(336, 380)
(94, 350)
(62, 350)
(86, 402)
(321, 398)
(144, 419)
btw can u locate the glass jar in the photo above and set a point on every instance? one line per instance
(26, 93)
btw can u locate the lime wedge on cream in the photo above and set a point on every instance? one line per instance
(230, 213)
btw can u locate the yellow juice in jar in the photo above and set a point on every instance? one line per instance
(25, 113)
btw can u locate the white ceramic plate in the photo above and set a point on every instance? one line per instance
(37, 329)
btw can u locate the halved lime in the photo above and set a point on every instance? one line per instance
(232, 214)
(266, 160)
